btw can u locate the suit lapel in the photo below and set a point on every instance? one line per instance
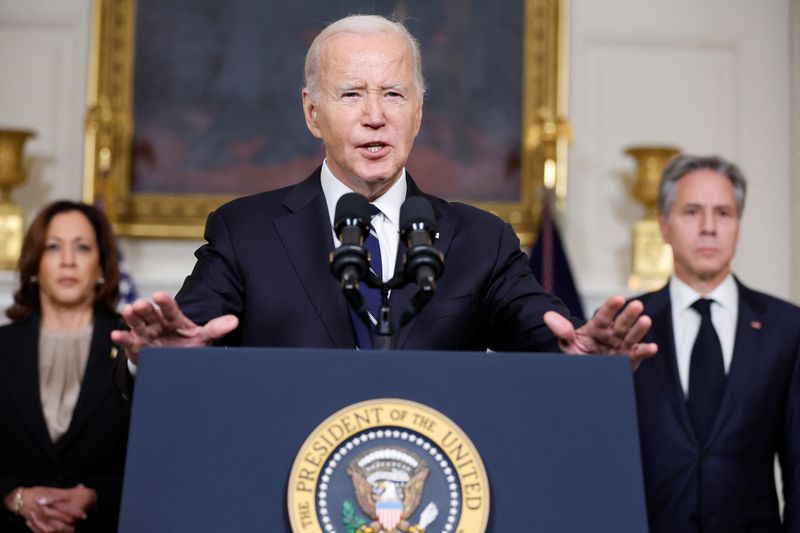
(306, 235)
(22, 381)
(745, 354)
(401, 298)
(665, 360)
(96, 378)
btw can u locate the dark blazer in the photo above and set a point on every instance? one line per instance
(92, 451)
(266, 261)
(728, 487)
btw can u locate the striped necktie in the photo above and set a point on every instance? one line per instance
(372, 296)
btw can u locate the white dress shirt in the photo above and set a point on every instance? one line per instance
(686, 321)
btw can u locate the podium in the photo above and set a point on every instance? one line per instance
(215, 432)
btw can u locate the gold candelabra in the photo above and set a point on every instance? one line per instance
(652, 259)
(12, 173)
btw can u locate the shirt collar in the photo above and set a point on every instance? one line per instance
(389, 203)
(683, 296)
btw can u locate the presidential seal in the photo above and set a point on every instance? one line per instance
(388, 466)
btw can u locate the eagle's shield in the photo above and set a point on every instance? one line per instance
(389, 513)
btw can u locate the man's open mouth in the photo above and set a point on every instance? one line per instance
(374, 148)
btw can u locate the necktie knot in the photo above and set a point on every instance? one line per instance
(703, 306)
(373, 212)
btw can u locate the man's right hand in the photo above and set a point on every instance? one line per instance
(161, 323)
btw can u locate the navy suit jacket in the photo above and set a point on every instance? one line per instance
(729, 486)
(92, 451)
(267, 261)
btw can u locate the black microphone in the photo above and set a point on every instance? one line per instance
(423, 263)
(349, 262)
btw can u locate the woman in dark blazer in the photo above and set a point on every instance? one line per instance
(63, 427)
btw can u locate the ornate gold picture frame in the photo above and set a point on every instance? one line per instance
(539, 152)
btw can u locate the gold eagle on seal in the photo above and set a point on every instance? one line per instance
(388, 484)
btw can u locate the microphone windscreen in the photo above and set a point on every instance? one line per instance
(416, 209)
(352, 205)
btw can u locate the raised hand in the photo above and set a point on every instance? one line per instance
(609, 331)
(161, 323)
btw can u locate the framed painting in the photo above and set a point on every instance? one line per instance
(194, 102)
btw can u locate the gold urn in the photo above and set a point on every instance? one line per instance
(652, 259)
(12, 173)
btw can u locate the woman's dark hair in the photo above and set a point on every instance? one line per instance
(26, 299)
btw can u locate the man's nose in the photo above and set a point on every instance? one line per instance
(373, 111)
(708, 222)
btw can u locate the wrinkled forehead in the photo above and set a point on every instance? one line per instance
(371, 53)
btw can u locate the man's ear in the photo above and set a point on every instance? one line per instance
(310, 112)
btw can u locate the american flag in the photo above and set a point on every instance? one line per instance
(550, 265)
(127, 288)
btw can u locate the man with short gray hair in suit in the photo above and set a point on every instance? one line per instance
(722, 396)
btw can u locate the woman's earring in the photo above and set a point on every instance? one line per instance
(101, 280)
(34, 280)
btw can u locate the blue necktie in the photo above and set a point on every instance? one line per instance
(372, 297)
(706, 374)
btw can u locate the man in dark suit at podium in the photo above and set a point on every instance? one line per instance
(263, 278)
(722, 396)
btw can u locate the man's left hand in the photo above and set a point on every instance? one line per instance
(609, 331)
